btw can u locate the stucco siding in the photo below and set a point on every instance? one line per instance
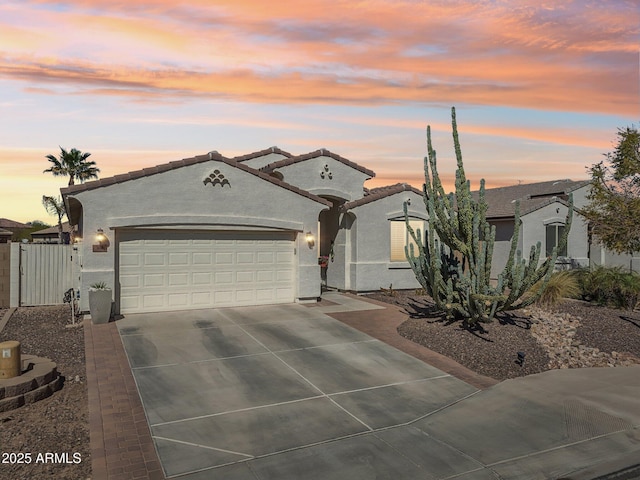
(179, 199)
(533, 231)
(502, 246)
(325, 176)
(372, 269)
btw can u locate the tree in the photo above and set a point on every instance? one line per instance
(55, 206)
(73, 164)
(614, 209)
(453, 264)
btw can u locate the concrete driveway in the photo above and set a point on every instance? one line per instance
(287, 392)
(221, 387)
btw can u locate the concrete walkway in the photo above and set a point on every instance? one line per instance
(288, 392)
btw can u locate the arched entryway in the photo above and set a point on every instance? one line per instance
(328, 227)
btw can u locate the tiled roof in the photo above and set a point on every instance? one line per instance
(371, 195)
(5, 233)
(52, 230)
(261, 153)
(318, 153)
(145, 172)
(6, 223)
(532, 196)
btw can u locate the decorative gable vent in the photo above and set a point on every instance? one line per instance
(216, 178)
(326, 172)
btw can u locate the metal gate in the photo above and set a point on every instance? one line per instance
(46, 272)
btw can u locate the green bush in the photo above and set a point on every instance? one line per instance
(561, 285)
(610, 286)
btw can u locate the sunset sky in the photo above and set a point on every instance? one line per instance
(540, 88)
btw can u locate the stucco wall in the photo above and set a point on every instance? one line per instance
(339, 180)
(179, 199)
(533, 231)
(368, 266)
(502, 246)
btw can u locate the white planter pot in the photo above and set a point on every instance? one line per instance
(100, 305)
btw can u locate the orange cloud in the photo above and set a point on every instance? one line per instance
(296, 87)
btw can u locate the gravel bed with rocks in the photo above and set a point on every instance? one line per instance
(572, 334)
(55, 425)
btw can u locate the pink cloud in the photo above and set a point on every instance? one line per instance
(510, 53)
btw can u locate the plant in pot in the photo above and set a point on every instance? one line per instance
(100, 302)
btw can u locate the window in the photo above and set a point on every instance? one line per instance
(400, 237)
(553, 235)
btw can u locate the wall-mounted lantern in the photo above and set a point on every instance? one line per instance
(101, 241)
(311, 241)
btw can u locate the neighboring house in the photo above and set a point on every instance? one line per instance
(543, 211)
(5, 235)
(210, 231)
(51, 234)
(12, 226)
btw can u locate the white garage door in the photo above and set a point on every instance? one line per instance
(179, 270)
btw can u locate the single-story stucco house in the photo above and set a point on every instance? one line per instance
(52, 234)
(212, 231)
(270, 227)
(11, 226)
(543, 211)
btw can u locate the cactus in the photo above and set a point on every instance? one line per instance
(453, 261)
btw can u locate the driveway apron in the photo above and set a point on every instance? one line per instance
(284, 390)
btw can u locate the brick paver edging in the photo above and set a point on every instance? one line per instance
(121, 443)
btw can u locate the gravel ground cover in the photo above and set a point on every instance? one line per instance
(573, 334)
(55, 425)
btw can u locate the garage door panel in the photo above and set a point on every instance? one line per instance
(178, 300)
(152, 301)
(264, 276)
(153, 280)
(223, 278)
(244, 257)
(245, 295)
(130, 281)
(245, 277)
(265, 257)
(154, 259)
(200, 258)
(284, 276)
(130, 260)
(181, 258)
(178, 279)
(170, 270)
(199, 299)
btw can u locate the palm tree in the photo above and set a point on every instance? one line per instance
(73, 164)
(55, 206)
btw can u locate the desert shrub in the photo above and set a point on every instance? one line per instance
(610, 286)
(561, 285)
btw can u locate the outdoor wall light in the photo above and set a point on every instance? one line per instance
(100, 236)
(311, 241)
(102, 242)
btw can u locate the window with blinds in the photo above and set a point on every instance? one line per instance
(400, 237)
